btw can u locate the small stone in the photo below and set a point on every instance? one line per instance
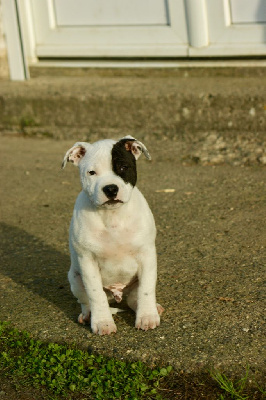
(252, 112)
(185, 112)
(262, 160)
(217, 159)
(212, 137)
(220, 145)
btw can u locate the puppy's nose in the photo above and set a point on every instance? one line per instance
(110, 191)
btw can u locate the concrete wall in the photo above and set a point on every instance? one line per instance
(3, 55)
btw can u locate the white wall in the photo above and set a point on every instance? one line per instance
(3, 55)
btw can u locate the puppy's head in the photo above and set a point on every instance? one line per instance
(107, 169)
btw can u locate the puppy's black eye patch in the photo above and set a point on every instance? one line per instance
(124, 163)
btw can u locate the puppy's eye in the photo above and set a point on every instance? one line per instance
(123, 168)
(91, 172)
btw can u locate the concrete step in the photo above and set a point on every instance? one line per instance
(186, 106)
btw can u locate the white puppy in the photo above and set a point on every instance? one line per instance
(112, 236)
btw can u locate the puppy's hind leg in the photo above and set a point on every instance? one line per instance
(132, 299)
(79, 292)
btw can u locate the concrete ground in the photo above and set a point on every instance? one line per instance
(207, 139)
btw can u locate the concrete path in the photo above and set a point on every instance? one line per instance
(211, 227)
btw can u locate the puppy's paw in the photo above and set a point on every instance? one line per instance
(105, 327)
(83, 319)
(160, 309)
(148, 321)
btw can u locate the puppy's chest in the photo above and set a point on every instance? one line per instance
(116, 251)
(115, 240)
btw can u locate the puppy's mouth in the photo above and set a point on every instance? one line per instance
(112, 202)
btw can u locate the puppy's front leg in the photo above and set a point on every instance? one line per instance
(102, 321)
(147, 316)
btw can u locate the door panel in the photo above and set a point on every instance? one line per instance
(226, 37)
(248, 12)
(115, 34)
(110, 13)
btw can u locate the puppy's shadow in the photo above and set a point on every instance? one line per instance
(42, 270)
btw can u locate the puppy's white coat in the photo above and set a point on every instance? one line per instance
(112, 236)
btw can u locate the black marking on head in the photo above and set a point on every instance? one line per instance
(123, 161)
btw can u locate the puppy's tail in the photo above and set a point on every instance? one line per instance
(115, 310)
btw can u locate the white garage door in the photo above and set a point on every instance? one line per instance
(69, 29)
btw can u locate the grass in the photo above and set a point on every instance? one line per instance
(30, 127)
(234, 390)
(63, 370)
(67, 372)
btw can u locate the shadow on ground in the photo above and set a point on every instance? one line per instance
(35, 265)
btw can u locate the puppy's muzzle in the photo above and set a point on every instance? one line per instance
(110, 192)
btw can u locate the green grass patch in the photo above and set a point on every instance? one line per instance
(235, 389)
(63, 370)
(60, 371)
(27, 121)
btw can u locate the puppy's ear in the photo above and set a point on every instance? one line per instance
(75, 154)
(136, 147)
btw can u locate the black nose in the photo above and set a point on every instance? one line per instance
(110, 191)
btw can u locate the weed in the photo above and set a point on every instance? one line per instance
(235, 390)
(68, 372)
(27, 121)
(63, 370)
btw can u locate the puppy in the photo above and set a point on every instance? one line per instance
(112, 236)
